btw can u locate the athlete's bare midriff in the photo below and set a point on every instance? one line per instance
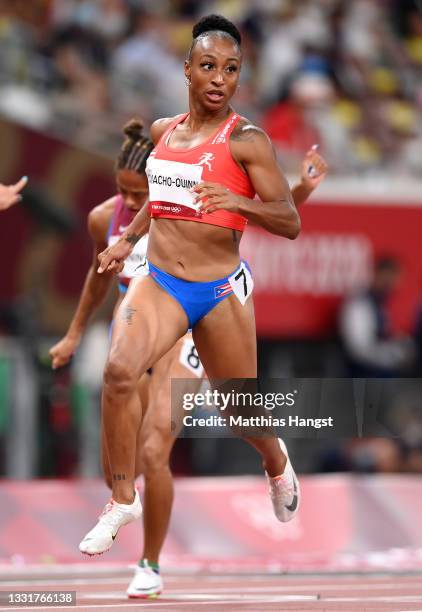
(193, 251)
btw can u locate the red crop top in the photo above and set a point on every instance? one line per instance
(173, 172)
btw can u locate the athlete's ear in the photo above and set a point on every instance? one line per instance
(187, 71)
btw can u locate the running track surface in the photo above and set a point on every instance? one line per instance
(104, 590)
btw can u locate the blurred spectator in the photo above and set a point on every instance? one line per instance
(82, 96)
(365, 329)
(289, 28)
(305, 118)
(147, 61)
(287, 123)
(110, 18)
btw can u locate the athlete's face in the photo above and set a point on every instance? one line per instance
(213, 71)
(133, 188)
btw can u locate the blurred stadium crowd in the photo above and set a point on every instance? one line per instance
(345, 74)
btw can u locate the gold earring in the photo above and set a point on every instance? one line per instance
(187, 81)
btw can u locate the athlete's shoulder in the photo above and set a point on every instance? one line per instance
(99, 219)
(248, 139)
(246, 131)
(159, 126)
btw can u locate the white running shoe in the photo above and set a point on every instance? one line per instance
(285, 491)
(114, 516)
(146, 583)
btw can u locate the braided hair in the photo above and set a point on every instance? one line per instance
(217, 25)
(135, 148)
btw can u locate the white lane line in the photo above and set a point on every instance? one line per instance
(190, 597)
(274, 587)
(398, 598)
(304, 588)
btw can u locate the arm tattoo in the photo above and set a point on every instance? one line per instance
(244, 131)
(128, 314)
(119, 476)
(132, 238)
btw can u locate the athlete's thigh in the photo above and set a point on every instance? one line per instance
(147, 324)
(226, 340)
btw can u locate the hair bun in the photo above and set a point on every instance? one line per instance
(216, 22)
(134, 129)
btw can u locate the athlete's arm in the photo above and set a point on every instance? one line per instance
(94, 290)
(112, 258)
(314, 170)
(277, 213)
(10, 194)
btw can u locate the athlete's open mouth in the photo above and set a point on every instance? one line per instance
(214, 95)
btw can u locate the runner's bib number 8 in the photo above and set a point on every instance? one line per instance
(189, 358)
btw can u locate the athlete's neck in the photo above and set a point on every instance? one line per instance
(198, 116)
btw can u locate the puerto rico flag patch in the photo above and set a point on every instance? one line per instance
(222, 290)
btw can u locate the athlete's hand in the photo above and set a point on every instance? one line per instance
(314, 169)
(112, 259)
(9, 194)
(215, 196)
(62, 352)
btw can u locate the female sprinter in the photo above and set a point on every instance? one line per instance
(155, 440)
(194, 240)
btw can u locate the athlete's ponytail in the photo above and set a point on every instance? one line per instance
(136, 147)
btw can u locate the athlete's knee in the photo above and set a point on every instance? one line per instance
(156, 453)
(119, 376)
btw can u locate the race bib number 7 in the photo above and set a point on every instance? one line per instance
(242, 283)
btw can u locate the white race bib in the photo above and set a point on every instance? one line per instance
(242, 283)
(136, 264)
(171, 181)
(189, 358)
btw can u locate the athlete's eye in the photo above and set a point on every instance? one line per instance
(207, 65)
(231, 68)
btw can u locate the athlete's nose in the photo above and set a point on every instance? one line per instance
(218, 78)
(129, 201)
